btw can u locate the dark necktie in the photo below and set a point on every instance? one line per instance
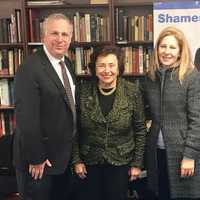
(68, 91)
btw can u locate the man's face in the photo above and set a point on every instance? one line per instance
(57, 37)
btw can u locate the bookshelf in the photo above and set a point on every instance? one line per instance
(95, 24)
(12, 45)
(133, 22)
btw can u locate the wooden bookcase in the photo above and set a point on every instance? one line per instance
(133, 23)
(12, 47)
(105, 28)
(101, 29)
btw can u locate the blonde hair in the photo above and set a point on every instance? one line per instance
(186, 65)
(52, 17)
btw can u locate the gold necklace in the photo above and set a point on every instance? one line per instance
(107, 93)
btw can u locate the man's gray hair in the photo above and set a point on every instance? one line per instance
(54, 16)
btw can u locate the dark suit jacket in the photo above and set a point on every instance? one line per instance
(197, 59)
(44, 119)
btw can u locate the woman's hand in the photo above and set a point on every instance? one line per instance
(134, 173)
(187, 167)
(80, 170)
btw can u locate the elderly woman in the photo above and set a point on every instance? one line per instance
(110, 143)
(173, 144)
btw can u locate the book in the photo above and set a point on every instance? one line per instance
(13, 29)
(77, 27)
(11, 62)
(136, 27)
(125, 28)
(98, 1)
(1, 31)
(4, 92)
(43, 2)
(78, 64)
(4, 29)
(4, 62)
(87, 27)
(140, 60)
(30, 19)
(3, 129)
(18, 24)
(93, 26)
(1, 64)
(121, 25)
(7, 123)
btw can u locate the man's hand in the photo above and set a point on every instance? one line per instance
(80, 170)
(37, 171)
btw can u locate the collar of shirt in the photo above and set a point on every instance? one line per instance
(51, 58)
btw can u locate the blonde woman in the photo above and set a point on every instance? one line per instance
(172, 93)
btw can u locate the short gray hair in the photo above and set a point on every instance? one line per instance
(54, 16)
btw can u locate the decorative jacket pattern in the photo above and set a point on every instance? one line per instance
(118, 138)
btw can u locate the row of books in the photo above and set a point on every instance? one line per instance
(81, 59)
(11, 28)
(60, 2)
(42, 2)
(137, 59)
(6, 92)
(7, 123)
(10, 59)
(87, 27)
(91, 27)
(133, 28)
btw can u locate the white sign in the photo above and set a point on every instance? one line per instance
(183, 15)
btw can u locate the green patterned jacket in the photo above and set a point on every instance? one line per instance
(118, 138)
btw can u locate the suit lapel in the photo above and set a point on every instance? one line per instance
(51, 73)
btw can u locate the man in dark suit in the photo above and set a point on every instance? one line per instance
(197, 59)
(45, 113)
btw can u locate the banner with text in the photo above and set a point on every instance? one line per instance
(183, 15)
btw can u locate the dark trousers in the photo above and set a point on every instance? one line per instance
(163, 181)
(50, 187)
(105, 182)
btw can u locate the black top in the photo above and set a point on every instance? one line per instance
(106, 101)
